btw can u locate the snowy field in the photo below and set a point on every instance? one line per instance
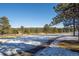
(11, 46)
(26, 43)
(55, 50)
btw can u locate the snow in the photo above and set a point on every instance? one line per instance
(68, 38)
(37, 37)
(12, 41)
(13, 46)
(56, 51)
(36, 43)
(1, 54)
(8, 52)
(32, 40)
(55, 43)
(26, 43)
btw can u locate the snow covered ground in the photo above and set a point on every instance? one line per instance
(61, 39)
(55, 50)
(26, 43)
(12, 46)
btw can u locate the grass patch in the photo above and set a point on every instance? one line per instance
(7, 37)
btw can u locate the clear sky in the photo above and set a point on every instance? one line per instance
(28, 15)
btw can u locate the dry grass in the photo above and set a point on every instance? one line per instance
(73, 45)
(8, 36)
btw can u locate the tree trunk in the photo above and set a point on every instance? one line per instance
(78, 29)
(73, 27)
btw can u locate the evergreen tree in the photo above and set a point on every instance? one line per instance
(22, 29)
(4, 25)
(46, 28)
(67, 12)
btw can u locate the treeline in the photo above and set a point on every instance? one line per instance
(35, 30)
(41, 30)
(5, 28)
(23, 30)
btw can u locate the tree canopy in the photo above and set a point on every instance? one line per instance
(68, 13)
(4, 25)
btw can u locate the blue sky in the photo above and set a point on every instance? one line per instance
(28, 15)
